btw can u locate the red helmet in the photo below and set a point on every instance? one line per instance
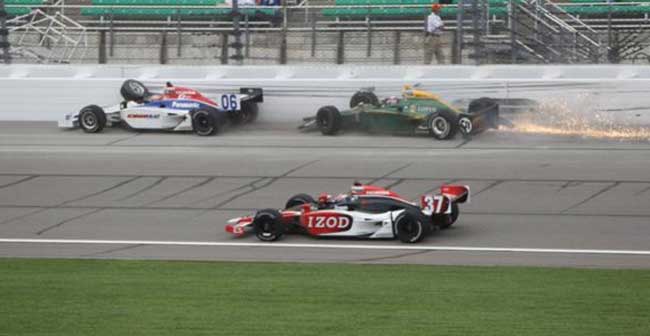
(324, 198)
(436, 7)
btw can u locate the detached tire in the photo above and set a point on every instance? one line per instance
(365, 97)
(299, 199)
(205, 122)
(442, 125)
(267, 225)
(410, 228)
(133, 90)
(329, 120)
(92, 119)
(444, 221)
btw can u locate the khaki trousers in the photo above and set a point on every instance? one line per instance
(433, 45)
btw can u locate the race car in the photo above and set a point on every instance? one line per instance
(417, 111)
(366, 212)
(175, 109)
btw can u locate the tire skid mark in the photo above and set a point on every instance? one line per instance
(470, 179)
(247, 185)
(184, 190)
(594, 195)
(255, 187)
(465, 142)
(642, 191)
(117, 249)
(396, 256)
(490, 186)
(102, 191)
(10, 184)
(61, 223)
(149, 187)
(569, 184)
(36, 211)
(395, 183)
(120, 140)
(387, 175)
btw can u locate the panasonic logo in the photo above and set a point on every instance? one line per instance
(184, 105)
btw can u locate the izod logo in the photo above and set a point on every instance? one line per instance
(326, 222)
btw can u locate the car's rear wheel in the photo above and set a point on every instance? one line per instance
(299, 199)
(410, 228)
(444, 221)
(329, 120)
(268, 225)
(92, 119)
(205, 122)
(442, 125)
(365, 97)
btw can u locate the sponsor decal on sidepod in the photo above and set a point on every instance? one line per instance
(185, 105)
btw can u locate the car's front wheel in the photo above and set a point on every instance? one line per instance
(268, 225)
(442, 125)
(92, 119)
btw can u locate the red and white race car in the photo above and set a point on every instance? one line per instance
(367, 212)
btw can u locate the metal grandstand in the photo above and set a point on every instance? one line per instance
(327, 31)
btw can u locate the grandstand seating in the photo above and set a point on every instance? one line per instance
(168, 9)
(26, 6)
(497, 8)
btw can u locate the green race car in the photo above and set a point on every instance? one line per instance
(417, 111)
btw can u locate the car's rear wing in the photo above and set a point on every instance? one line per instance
(441, 203)
(255, 95)
(457, 193)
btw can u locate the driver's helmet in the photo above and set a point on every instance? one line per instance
(392, 100)
(324, 199)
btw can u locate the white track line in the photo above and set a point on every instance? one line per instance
(326, 246)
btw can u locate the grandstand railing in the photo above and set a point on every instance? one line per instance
(308, 19)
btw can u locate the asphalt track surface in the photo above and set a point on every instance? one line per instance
(537, 200)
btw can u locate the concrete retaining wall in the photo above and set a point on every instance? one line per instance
(34, 92)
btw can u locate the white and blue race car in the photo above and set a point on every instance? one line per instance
(176, 109)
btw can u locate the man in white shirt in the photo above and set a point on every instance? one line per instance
(433, 36)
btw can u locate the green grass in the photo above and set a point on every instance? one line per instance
(102, 297)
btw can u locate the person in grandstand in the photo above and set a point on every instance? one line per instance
(433, 36)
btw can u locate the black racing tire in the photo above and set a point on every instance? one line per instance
(205, 122)
(365, 97)
(488, 107)
(268, 225)
(92, 119)
(133, 90)
(442, 125)
(444, 221)
(329, 120)
(410, 228)
(299, 199)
